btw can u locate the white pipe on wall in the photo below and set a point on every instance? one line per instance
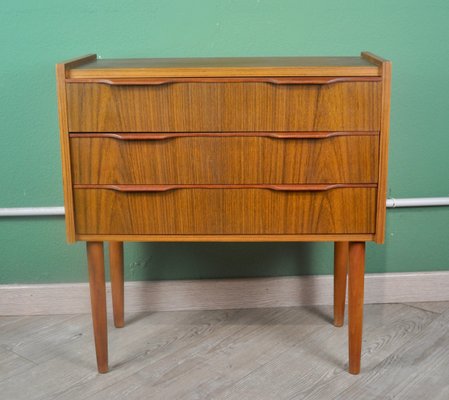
(391, 203)
(418, 202)
(31, 211)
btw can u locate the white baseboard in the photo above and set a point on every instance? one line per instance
(222, 293)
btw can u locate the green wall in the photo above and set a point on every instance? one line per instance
(34, 35)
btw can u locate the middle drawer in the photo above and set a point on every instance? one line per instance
(259, 158)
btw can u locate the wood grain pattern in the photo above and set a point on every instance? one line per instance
(226, 67)
(277, 188)
(291, 80)
(416, 370)
(385, 68)
(356, 282)
(116, 266)
(405, 354)
(272, 135)
(65, 153)
(234, 357)
(78, 61)
(224, 160)
(341, 250)
(225, 211)
(323, 237)
(45, 337)
(315, 372)
(383, 155)
(95, 262)
(212, 107)
(61, 70)
(12, 364)
(371, 58)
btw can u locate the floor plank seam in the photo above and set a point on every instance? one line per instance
(421, 308)
(88, 377)
(242, 378)
(3, 380)
(23, 357)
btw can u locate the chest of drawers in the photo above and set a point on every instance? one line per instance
(232, 149)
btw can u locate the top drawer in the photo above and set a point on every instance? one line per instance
(281, 104)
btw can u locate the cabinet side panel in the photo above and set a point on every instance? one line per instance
(65, 153)
(383, 153)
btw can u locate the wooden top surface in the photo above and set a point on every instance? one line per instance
(223, 67)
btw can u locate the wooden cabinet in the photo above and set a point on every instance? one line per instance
(232, 149)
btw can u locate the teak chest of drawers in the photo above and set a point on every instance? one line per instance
(231, 149)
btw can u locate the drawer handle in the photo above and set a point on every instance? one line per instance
(273, 135)
(277, 188)
(288, 80)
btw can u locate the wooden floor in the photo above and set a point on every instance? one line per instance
(281, 353)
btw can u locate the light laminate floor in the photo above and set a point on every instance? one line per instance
(281, 353)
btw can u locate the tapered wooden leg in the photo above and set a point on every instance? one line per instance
(95, 260)
(355, 303)
(117, 282)
(340, 274)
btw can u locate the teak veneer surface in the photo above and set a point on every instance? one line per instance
(225, 67)
(230, 238)
(218, 107)
(225, 211)
(224, 160)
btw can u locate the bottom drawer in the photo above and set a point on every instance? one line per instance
(212, 211)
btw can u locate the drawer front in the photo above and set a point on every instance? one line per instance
(225, 211)
(228, 106)
(215, 159)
